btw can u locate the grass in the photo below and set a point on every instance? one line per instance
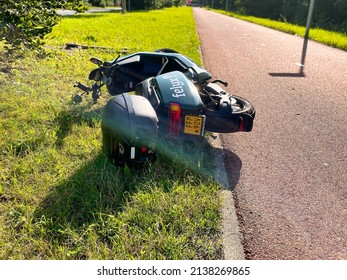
(139, 31)
(59, 196)
(330, 38)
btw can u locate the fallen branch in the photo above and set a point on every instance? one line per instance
(70, 46)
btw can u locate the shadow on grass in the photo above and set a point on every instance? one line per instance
(96, 187)
(100, 187)
(75, 115)
(98, 191)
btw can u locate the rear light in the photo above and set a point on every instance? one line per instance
(175, 119)
(242, 125)
(143, 149)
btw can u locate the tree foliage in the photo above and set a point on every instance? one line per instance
(23, 24)
(328, 14)
(155, 4)
(141, 4)
(102, 3)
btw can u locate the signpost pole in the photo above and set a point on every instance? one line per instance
(304, 48)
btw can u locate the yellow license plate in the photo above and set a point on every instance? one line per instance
(193, 125)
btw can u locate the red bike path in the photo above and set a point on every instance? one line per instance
(288, 175)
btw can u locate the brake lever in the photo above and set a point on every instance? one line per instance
(220, 81)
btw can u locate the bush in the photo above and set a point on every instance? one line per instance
(24, 24)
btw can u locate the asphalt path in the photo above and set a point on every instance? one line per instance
(289, 175)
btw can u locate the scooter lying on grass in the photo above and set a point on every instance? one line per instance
(173, 98)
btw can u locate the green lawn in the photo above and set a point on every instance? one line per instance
(59, 196)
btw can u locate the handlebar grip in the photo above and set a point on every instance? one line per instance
(83, 87)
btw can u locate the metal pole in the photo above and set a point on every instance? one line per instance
(304, 48)
(226, 5)
(124, 6)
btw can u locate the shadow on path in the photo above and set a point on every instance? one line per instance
(292, 75)
(233, 166)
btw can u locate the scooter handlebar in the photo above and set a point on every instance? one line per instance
(83, 87)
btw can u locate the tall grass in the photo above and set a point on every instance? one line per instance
(60, 198)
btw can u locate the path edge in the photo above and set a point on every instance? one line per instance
(231, 234)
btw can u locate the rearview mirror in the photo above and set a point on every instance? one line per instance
(95, 75)
(96, 61)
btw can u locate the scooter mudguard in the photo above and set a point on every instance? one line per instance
(229, 117)
(228, 124)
